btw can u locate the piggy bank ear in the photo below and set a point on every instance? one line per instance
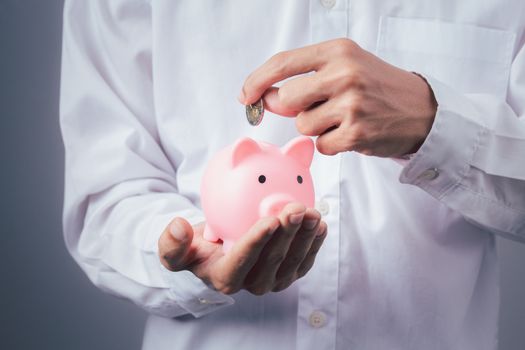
(300, 148)
(243, 149)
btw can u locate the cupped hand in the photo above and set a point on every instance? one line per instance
(351, 99)
(274, 253)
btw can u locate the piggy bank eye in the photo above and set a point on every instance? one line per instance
(262, 179)
(299, 179)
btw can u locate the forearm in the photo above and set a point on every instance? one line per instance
(472, 159)
(117, 248)
(120, 186)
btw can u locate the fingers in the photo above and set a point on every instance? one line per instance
(295, 96)
(279, 67)
(341, 139)
(174, 244)
(318, 120)
(309, 259)
(274, 105)
(298, 250)
(301, 93)
(272, 254)
(261, 278)
(235, 265)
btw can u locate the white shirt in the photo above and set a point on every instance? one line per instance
(149, 95)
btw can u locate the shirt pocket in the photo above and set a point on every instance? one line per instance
(470, 58)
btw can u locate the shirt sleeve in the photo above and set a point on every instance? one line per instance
(120, 188)
(473, 159)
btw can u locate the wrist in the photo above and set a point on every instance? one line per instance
(426, 112)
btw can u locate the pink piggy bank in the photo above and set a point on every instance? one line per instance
(250, 180)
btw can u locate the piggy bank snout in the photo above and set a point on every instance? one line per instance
(274, 204)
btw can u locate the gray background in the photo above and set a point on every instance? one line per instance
(46, 301)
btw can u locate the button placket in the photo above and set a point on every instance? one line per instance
(319, 290)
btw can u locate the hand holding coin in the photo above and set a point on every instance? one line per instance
(348, 97)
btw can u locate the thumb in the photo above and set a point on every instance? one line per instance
(174, 244)
(273, 104)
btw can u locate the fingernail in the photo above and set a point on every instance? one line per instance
(296, 219)
(310, 223)
(319, 233)
(177, 231)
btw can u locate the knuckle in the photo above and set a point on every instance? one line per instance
(282, 285)
(351, 77)
(356, 137)
(352, 105)
(278, 62)
(285, 95)
(257, 290)
(276, 258)
(359, 102)
(294, 260)
(344, 46)
(345, 105)
(303, 125)
(345, 72)
(248, 83)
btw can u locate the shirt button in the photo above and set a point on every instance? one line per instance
(317, 319)
(429, 174)
(328, 3)
(322, 207)
(204, 301)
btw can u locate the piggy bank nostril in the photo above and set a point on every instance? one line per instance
(275, 211)
(274, 204)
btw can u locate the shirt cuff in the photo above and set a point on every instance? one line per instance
(444, 158)
(192, 294)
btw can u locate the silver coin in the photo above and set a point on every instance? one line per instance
(255, 112)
